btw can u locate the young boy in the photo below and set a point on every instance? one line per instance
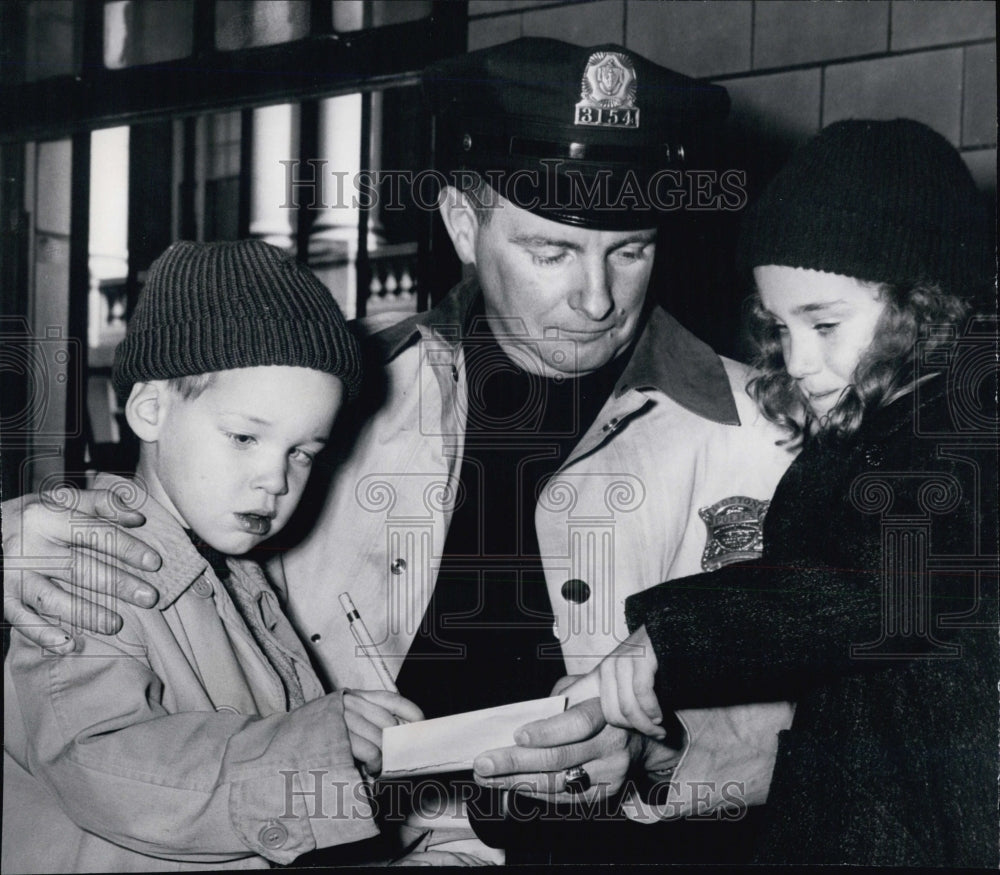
(199, 736)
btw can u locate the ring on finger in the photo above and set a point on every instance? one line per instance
(577, 780)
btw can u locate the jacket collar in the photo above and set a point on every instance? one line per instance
(182, 563)
(667, 357)
(447, 320)
(670, 359)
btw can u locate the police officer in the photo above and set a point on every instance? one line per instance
(547, 442)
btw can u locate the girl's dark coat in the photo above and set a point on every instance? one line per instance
(893, 754)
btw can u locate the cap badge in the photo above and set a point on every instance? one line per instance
(735, 531)
(607, 92)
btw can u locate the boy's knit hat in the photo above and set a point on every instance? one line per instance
(883, 201)
(220, 306)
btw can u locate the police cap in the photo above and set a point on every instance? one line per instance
(587, 136)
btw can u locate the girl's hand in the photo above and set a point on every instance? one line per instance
(624, 682)
(367, 713)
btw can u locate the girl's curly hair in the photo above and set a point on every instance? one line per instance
(886, 368)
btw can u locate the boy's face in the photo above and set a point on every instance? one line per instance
(231, 464)
(826, 323)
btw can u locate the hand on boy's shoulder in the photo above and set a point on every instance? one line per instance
(68, 530)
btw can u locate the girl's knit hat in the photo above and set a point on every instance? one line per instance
(883, 201)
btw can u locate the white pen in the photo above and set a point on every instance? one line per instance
(367, 644)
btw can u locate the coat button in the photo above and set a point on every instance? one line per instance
(454, 373)
(203, 588)
(611, 425)
(398, 566)
(273, 836)
(576, 591)
(873, 456)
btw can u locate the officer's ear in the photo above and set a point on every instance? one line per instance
(461, 222)
(146, 409)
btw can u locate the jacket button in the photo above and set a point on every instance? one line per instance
(203, 588)
(873, 456)
(611, 425)
(576, 591)
(454, 373)
(398, 566)
(273, 836)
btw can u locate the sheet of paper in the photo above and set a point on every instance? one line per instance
(450, 744)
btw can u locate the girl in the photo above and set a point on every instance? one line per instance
(873, 606)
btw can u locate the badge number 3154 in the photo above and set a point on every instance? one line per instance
(615, 118)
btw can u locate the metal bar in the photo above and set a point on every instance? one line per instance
(363, 263)
(188, 224)
(79, 285)
(308, 148)
(246, 173)
(13, 45)
(14, 398)
(312, 67)
(89, 28)
(425, 237)
(204, 28)
(320, 17)
(438, 266)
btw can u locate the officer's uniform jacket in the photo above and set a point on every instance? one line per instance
(677, 439)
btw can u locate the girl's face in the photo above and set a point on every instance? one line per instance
(825, 322)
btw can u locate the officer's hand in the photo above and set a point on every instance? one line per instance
(367, 713)
(62, 539)
(624, 682)
(545, 749)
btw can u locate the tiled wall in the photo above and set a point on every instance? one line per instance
(791, 66)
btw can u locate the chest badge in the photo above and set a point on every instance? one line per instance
(607, 92)
(735, 531)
